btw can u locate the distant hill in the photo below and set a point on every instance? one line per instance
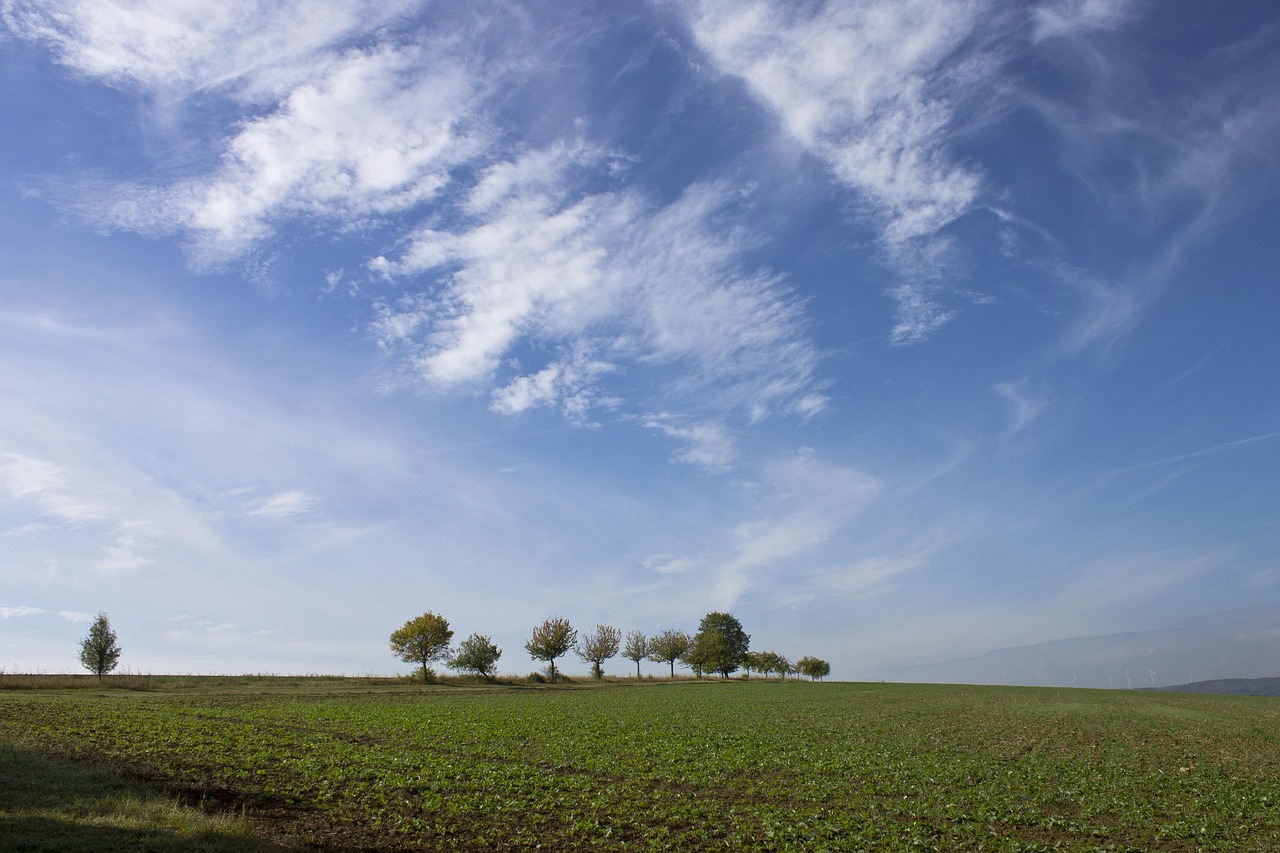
(1233, 646)
(1230, 687)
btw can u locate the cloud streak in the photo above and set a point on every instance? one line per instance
(859, 87)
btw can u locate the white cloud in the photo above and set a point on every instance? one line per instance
(568, 383)
(864, 578)
(259, 48)
(858, 85)
(609, 280)
(707, 445)
(128, 551)
(376, 132)
(807, 504)
(77, 616)
(1072, 17)
(16, 612)
(285, 504)
(1025, 403)
(45, 484)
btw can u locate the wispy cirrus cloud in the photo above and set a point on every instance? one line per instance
(254, 48)
(538, 274)
(376, 133)
(1059, 18)
(285, 504)
(19, 612)
(796, 510)
(867, 88)
(607, 278)
(1167, 157)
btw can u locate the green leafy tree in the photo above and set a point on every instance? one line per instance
(422, 640)
(720, 643)
(636, 649)
(552, 639)
(770, 662)
(815, 668)
(476, 654)
(99, 650)
(669, 647)
(695, 656)
(753, 662)
(598, 646)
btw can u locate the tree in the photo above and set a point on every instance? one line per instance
(669, 647)
(772, 662)
(422, 640)
(477, 654)
(695, 656)
(815, 668)
(100, 650)
(597, 647)
(550, 640)
(720, 643)
(636, 649)
(753, 662)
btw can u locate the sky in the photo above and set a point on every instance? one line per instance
(900, 329)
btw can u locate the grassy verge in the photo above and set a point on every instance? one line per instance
(55, 805)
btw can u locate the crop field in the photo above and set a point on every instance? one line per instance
(345, 764)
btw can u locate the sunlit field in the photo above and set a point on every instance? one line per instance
(693, 765)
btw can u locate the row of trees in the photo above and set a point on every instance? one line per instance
(719, 646)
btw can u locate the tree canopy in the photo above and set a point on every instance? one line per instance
(476, 654)
(550, 640)
(636, 649)
(668, 647)
(422, 640)
(815, 668)
(598, 646)
(720, 643)
(99, 650)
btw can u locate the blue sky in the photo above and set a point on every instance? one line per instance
(901, 330)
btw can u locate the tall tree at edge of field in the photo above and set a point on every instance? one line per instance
(669, 647)
(597, 647)
(636, 649)
(422, 640)
(720, 643)
(100, 650)
(550, 640)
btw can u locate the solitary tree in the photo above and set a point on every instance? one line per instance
(477, 654)
(99, 650)
(815, 668)
(422, 640)
(550, 640)
(720, 643)
(598, 646)
(669, 647)
(636, 649)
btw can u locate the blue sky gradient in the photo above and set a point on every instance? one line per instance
(900, 329)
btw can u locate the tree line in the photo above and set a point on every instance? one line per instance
(720, 645)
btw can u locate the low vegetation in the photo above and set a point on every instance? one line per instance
(658, 765)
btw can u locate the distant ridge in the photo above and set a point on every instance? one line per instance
(1229, 687)
(1220, 648)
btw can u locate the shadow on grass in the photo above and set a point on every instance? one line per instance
(51, 805)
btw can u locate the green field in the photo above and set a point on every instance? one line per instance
(348, 763)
